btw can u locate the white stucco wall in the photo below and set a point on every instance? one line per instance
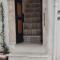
(51, 26)
(6, 28)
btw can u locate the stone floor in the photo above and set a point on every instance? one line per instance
(26, 49)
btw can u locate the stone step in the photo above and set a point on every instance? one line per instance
(27, 58)
(33, 39)
(32, 26)
(33, 5)
(32, 19)
(32, 10)
(29, 48)
(33, 1)
(33, 14)
(33, 32)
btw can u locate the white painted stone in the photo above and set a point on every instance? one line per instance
(10, 33)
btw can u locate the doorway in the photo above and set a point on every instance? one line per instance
(29, 21)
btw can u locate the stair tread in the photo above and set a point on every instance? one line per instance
(32, 23)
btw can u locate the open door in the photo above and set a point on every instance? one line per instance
(19, 21)
(31, 29)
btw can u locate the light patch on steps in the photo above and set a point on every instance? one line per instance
(28, 55)
(28, 49)
(26, 58)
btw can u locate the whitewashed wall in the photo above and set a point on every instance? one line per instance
(6, 28)
(10, 37)
(9, 28)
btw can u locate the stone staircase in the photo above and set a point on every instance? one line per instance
(33, 21)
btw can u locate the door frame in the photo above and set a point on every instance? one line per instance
(57, 31)
(10, 32)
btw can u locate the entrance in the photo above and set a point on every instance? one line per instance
(27, 50)
(29, 21)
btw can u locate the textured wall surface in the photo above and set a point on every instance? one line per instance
(0, 24)
(11, 21)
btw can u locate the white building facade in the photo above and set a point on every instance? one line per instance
(50, 49)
